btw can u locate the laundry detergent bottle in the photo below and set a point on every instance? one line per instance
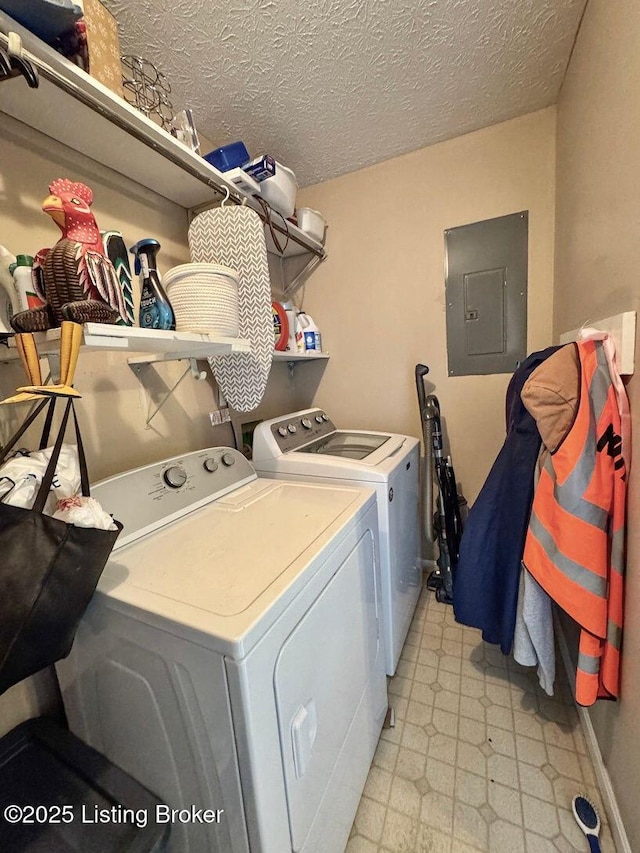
(292, 317)
(310, 337)
(22, 272)
(155, 309)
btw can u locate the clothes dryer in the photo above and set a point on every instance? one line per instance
(306, 446)
(231, 660)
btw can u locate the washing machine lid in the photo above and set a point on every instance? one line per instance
(228, 569)
(307, 444)
(347, 445)
(374, 469)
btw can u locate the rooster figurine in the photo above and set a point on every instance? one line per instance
(74, 278)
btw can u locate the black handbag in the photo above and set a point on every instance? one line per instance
(48, 569)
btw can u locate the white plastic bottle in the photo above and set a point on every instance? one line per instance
(300, 326)
(8, 296)
(311, 340)
(23, 282)
(292, 317)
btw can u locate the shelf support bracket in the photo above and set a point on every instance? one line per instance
(192, 369)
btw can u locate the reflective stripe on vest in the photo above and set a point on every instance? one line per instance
(575, 542)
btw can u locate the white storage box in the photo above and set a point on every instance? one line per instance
(204, 298)
(311, 222)
(280, 190)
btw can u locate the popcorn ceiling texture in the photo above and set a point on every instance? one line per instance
(331, 86)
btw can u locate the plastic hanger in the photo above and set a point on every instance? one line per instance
(12, 62)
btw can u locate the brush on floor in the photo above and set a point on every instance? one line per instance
(588, 820)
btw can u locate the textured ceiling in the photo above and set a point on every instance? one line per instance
(330, 86)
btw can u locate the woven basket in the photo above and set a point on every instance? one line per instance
(204, 298)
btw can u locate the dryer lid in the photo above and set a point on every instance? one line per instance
(223, 567)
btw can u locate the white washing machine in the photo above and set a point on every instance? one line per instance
(231, 657)
(307, 446)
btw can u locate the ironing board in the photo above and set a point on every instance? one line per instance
(234, 236)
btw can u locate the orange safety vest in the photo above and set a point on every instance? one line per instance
(575, 542)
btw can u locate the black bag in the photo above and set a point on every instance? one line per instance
(48, 569)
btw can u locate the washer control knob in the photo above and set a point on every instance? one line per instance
(318, 419)
(306, 423)
(292, 428)
(324, 417)
(282, 430)
(175, 476)
(228, 459)
(210, 464)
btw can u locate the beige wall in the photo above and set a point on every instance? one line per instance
(114, 406)
(379, 298)
(597, 263)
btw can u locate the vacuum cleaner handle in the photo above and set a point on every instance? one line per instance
(421, 372)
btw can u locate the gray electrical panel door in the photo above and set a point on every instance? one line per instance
(486, 291)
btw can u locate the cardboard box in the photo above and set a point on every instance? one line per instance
(103, 46)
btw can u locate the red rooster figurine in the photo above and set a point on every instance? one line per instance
(75, 279)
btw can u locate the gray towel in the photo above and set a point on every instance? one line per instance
(533, 640)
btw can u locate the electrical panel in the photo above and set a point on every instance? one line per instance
(486, 294)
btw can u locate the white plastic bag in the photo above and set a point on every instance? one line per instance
(21, 476)
(83, 512)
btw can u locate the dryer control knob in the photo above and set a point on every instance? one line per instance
(228, 459)
(318, 419)
(306, 423)
(292, 428)
(175, 476)
(282, 430)
(210, 464)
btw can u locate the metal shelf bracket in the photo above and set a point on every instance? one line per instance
(139, 368)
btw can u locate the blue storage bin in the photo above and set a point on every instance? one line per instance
(228, 157)
(46, 19)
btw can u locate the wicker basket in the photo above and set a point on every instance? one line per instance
(204, 298)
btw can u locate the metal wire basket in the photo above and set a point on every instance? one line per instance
(147, 89)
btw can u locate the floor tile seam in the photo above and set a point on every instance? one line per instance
(362, 834)
(384, 802)
(484, 776)
(500, 726)
(416, 822)
(531, 763)
(395, 764)
(557, 812)
(477, 675)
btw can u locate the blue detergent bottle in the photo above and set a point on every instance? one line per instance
(155, 309)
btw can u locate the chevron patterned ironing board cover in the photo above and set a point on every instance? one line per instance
(234, 236)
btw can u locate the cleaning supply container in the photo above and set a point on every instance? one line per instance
(311, 340)
(311, 222)
(204, 298)
(23, 282)
(280, 326)
(155, 311)
(280, 190)
(292, 317)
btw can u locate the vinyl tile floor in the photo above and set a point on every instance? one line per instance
(480, 759)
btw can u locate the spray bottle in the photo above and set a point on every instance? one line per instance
(155, 309)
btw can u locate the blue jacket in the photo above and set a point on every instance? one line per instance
(485, 584)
